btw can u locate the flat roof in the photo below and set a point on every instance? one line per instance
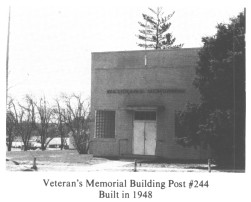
(152, 50)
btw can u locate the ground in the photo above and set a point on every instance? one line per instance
(70, 160)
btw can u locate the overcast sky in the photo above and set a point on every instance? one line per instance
(50, 46)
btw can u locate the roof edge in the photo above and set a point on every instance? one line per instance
(159, 50)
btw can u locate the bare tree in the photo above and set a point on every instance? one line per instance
(76, 117)
(59, 112)
(25, 121)
(44, 124)
(10, 124)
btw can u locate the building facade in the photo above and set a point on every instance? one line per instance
(134, 98)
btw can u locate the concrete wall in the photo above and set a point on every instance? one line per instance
(162, 69)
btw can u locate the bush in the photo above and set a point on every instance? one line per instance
(81, 142)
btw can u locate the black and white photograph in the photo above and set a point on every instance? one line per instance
(124, 100)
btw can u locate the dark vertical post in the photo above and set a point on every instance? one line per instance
(209, 165)
(34, 164)
(135, 166)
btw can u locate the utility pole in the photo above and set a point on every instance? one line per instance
(7, 58)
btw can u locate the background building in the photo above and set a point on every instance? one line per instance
(134, 97)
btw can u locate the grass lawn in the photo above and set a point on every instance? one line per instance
(51, 158)
(58, 156)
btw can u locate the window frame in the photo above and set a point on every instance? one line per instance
(95, 131)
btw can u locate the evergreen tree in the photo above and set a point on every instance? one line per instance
(220, 78)
(154, 31)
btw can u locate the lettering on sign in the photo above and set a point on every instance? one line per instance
(141, 91)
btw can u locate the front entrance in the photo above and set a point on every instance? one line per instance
(144, 133)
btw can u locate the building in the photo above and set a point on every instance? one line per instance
(134, 97)
(56, 142)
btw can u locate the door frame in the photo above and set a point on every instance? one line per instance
(145, 121)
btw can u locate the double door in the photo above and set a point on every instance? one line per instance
(144, 133)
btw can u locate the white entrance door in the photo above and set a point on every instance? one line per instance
(150, 138)
(138, 138)
(144, 133)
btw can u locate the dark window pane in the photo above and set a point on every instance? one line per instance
(105, 124)
(150, 116)
(139, 115)
(145, 115)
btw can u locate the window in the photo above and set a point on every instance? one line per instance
(105, 124)
(145, 115)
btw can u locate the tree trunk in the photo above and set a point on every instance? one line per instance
(62, 142)
(9, 145)
(9, 142)
(43, 148)
(25, 147)
(43, 139)
(62, 137)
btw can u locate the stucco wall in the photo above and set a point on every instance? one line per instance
(162, 69)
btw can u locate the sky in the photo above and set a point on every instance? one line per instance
(51, 44)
